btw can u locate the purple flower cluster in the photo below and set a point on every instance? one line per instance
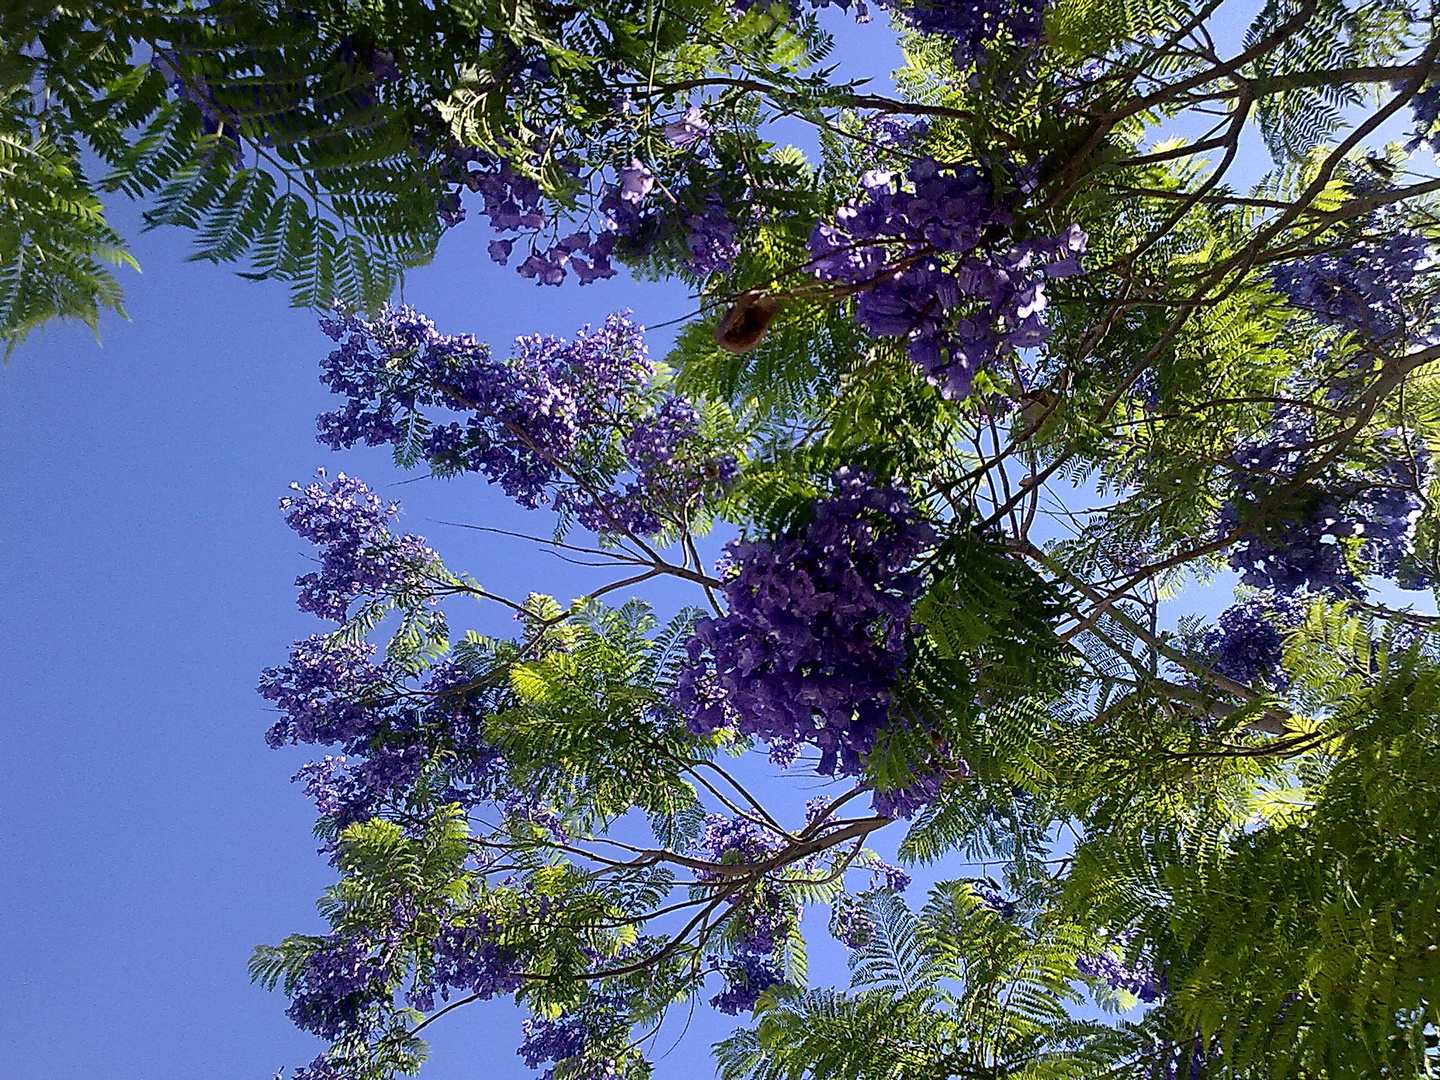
(699, 217)
(322, 1068)
(1314, 534)
(976, 26)
(850, 922)
(653, 448)
(996, 901)
(349, 793)
(930, 259)
(572, 1039)
(515, 204)
(1140, 980)
(359, 555)
(747, 976)
(734, 840)
(885, 876)
(764, 916)
(710, 239)
(524, 806)
(1362, 288)
(342, 989)
(905, 802)
(1248, 643)
(346, 987)
(559, 422)
(690, 129)
(895, 131)
(331, 692)
(552, 1040)
(1426, 107)
(1387, 505)
(816, 633)
(561, 1040)
(326, 693)
(469, 957)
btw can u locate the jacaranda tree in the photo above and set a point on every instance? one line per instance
(981, 388)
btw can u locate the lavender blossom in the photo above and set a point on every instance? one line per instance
(923, 249)
(342, 990)
(1137, 979)
(763, 915)
(815, 636)
(691, 128)
(1248, 643)
(747, 976)
(1322, 532)
(711, 239)
(561, 422)
(1363, 288)
(359, 556)
(327, 692)
(1425, 105)
(905, 802)
(976, 26)
(850, 923)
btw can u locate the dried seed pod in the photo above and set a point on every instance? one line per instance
(746, 322)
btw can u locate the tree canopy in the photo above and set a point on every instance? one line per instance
(1026, 350)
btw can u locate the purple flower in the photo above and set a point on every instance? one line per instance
(359, 556)
(885, 876)
(322, 1068)
(1247, 645)
(514, 202)
(328, 692)
(562, 1039)
(815, 636)
(468, 957)
(1138, 979)
(1426, 107)
(549, 425)
(342, 990)
(995, 901)
(1363, 288)
(977, 26)
(390, 729)
(689, 129)
(763, 915)
(546, 269)
(906, 801)
(932, 254)
(850, 923)
(635, 182)
(1321, 533)
(747, 976)
(711, 240)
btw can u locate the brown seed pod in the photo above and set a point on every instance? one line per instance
(746, 322)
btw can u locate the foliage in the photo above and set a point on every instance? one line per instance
(983, 388)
